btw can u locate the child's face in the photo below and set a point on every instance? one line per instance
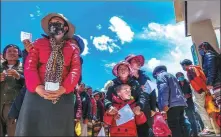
(125, 92)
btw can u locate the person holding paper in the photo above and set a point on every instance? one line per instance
(123, 72)
(16, 105)
(124, 99)
(52, 70)
(171, 100)
(11, 82)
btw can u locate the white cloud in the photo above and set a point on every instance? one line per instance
(91, 37)
(99, 27)
(172, 35)
(31, 15)
(104, 43)
(121, 28)
(37, 13)
(152, 63)
(110, 65)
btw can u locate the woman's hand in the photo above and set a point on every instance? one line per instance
(27, 45)
(54, 95)
(13, 73)
(40, 90)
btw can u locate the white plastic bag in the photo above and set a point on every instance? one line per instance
(101, 133)
(84, 130)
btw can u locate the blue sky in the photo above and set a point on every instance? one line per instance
(111, 30)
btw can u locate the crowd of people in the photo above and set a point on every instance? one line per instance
(44, 95)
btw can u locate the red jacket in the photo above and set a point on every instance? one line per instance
(35, 65)
(160, 127)
(197, 78)
(126, 129)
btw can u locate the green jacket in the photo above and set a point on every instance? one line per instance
(11, 87)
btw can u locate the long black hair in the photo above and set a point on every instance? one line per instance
(208, 47)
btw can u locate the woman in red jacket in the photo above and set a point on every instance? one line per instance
(52, 70)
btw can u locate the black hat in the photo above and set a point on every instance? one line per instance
(159, 69)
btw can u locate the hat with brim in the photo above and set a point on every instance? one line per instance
(96, 92)
(159, 69)
(140, 57)
(46, 19)
(115, 69)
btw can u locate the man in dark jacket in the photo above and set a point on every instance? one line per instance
(170, 100)
(190, 110)
(12, 80)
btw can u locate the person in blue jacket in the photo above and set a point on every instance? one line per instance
(170, 100)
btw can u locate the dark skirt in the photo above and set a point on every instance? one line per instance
(39, 117)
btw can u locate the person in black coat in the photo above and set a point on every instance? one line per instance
(211, 64)
(190, 110)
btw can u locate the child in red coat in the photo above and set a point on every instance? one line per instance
(123, 98)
